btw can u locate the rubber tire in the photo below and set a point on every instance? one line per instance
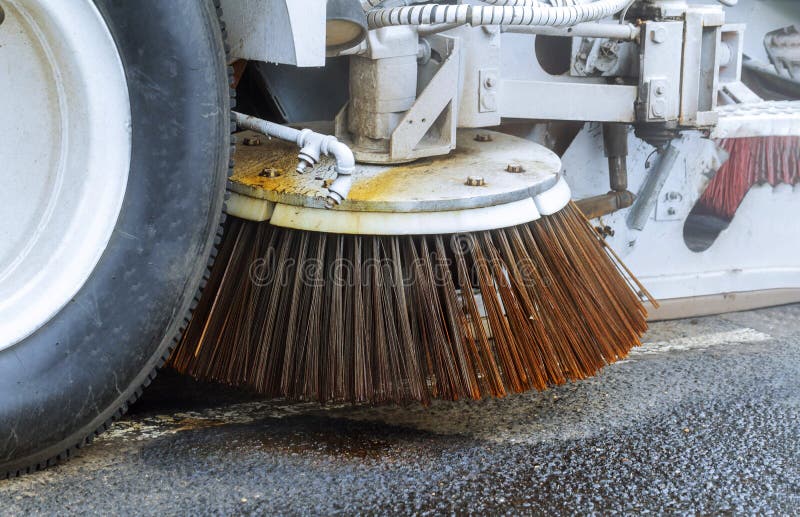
(67, 382)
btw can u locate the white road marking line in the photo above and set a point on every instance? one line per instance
(702, 341)
(156, 426)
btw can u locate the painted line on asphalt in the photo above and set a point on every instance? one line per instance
(155, 426)
(702, 341)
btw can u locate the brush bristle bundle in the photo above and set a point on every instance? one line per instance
(372, 319)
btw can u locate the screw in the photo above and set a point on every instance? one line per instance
(251, 141)
(670, 211)
(489, 82)
(475, 181)
(483, 137)
(514, 167)
(269, 173)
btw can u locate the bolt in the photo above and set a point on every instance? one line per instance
(269, 173)
(514, 167)
(489, 82)
(660, 90)
(659, 35)
(674, 196)
(251, 141)
(670, 211)
(483, 137)
(604, 231)
(475, 181)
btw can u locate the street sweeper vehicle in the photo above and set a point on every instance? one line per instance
(407, 201)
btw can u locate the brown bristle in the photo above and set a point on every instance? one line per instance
(371, 319)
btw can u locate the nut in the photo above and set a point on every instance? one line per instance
(251, 141)
(268, 172)
(475, 181)
(514, 167)
(483, 137)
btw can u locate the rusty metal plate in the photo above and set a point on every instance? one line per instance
(267, 171)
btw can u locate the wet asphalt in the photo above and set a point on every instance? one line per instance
(704, 419)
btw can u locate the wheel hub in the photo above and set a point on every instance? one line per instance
(66, 153)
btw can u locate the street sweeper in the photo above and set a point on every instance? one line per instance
(408, 200)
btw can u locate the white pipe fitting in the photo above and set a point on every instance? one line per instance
(312, 145)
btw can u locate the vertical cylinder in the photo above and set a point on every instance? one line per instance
(615, 144)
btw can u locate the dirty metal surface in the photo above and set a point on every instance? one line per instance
(267, 171)
(702, 419)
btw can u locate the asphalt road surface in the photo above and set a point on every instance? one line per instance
(704, 418)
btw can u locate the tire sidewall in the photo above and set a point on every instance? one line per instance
(77, 372)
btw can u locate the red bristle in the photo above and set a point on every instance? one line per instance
(753, 161)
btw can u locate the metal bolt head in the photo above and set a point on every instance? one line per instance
(268, 172)
(514, 167)
(659, 35)
(660, 90)
(674, 196)
(251, 141)
(483, 137)
(605, 231)
(475, 181)
(489, 82)
(670, 211)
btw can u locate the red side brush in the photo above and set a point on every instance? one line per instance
(753, 161)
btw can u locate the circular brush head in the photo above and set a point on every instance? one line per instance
(370, 319)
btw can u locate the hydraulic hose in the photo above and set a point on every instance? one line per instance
(476, 15)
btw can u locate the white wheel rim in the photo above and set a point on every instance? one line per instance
(65, 144)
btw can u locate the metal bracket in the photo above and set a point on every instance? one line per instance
(487, 94)
(434, 106)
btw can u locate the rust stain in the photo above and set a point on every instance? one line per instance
(384, 184)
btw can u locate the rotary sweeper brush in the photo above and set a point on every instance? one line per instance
(406, 207)
(457, 277)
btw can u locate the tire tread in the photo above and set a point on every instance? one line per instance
(137, 392)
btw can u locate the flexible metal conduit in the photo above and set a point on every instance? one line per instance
(476, 15)
(617, 31)
(519, 3)
(311, 144)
